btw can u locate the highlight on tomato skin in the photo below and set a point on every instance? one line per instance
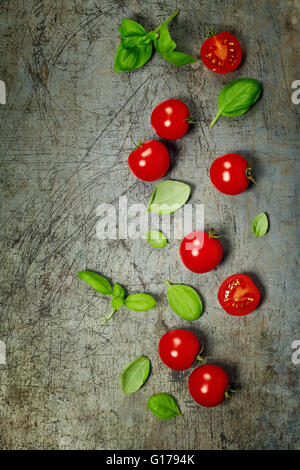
(170, 119)
(238, 295)
(221, 53)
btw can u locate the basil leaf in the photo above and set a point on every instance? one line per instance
(164, 406)
(185, 301)
(260, 225)
(140, 302)
(130, 59)
(119, 291)
(135, 375)
(97, 282)
(165, 47)
(237, 97)
(117, 302)
(130, 28)
(156, 239)
(168, 196)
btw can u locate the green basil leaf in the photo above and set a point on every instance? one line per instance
(97, 282)
(135, 375)
(156, 239)
(117, 302)
(168, 196)
(260, 225)
(185, 301)
(164, 406)
(140, 302)
(237, 97)
(165, 47)
(130, 28)
(119, 291)
(130, 59)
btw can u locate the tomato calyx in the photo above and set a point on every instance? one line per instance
(210, 33)
(190, 120)
(199, 359)
(249, 175)
(138, 144)
(228, 392)
(212, 234)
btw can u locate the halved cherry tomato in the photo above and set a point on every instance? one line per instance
(170, 119)
(230, 174)
(221, 53)
(149, 161)
(178, 349)
(238, 295)
(208, 385)
(200, 251)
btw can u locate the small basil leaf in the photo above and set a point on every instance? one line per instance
(97, 282)
(168, 196)
(119, 291)
(140, 302)
(260, 225)
(165, 47)
(237, 97)
(156, 239)
(117, 302)
(137, 41)
(131, 28)
(130, 59)
(135, 375)
(164, 406)
(185, 301)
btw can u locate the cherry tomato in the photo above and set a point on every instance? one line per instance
(221, 53)
(238, 295)
(230, 174)
(200, 252)
(149, 161)
(170, 119)
(208, 385)
(178, 349)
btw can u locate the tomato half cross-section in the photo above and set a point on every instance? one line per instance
(208, 385)
(150, 161)
(179, 349)
(238, 295)
(221, 53)
(230, 174)
(200, 251)
(170, 119)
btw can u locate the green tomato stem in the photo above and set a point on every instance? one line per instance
(108, 317)
(167, 21)
(215, 119)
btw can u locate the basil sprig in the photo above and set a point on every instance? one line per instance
(164, 406)
(135, 375)
(156, 239)
(168, 196)
(136, 302)
(237, 97)
(260, 225)
(136, 46)
(185, 301)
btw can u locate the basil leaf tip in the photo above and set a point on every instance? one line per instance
(135, 375)
(164, 406)
(168, 196)
(156, 239)
(165, 47)
(184, 301)
(260, 225)
(97, 282)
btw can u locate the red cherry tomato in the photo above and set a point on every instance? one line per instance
(178, 349)
(170, 119)
(200, 252)
(230, 174)
(238, 295)
(221, 53)
(150, 161)
(208, 385)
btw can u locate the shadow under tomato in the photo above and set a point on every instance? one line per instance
(257, 281)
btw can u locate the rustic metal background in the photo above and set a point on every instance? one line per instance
(65, 139)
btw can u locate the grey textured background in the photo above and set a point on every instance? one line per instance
(65, 139)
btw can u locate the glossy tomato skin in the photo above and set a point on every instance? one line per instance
(208, 384)
(200, 253)
(221, 53)
(169, 119)
(150, 161)
(238, 295)
(228, 174)
(178, 349)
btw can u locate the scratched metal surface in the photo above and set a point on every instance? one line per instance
(65, 139)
